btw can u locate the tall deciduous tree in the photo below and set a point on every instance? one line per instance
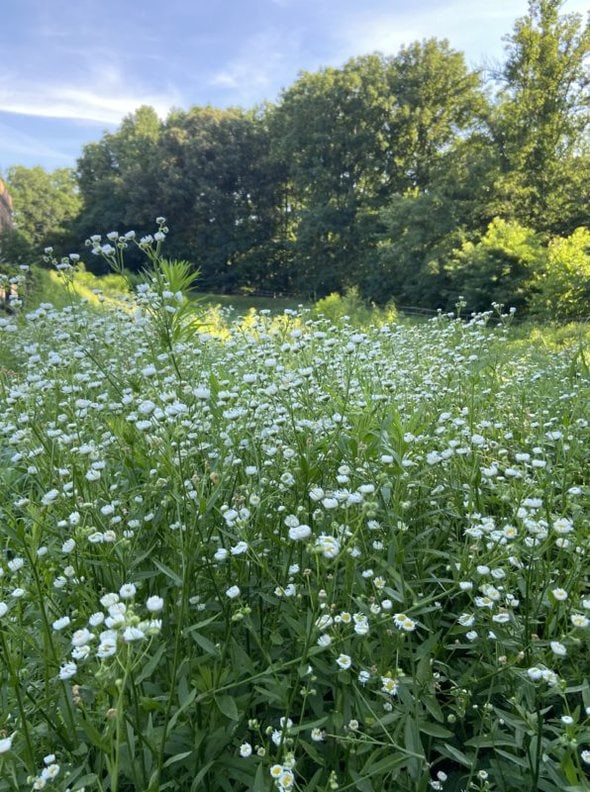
(437, 101)
(329, 129)
(425, 226)
(442, 157)
(361, 136)
(119, 176)
(44, 205)
(220, 186)
(542, 121)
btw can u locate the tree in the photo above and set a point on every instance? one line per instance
(443, 157)
(542, 121)
(329, 131)
(44, 206)
(438, 101)
(118, 178)
(220, 186)
(208, 171)
(358, 137)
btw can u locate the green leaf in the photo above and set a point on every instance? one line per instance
(434, 708)
(259, 784)
(361, 782)
(227, 706)
(241, 659)
(576, 788)
(435, 730)
(312, 752)
(488, 741)
(313, 782)
(148, 669)
(196, 785)
(86, 780)
(298, 627)
(517, 760)
(176, 579)
(385, 764)
(456, 754)
(413, 745)
(150, 705)
(95, 737)
(206, 645)
(569, 769)
(177, 758)
(186, 703)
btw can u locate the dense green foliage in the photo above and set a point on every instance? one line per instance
(562, 285)
(293, 556)
(541, 121)
(44, 206)
(410, 177)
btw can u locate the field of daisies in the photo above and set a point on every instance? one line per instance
(292, 555)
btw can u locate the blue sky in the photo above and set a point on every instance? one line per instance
(72, 69)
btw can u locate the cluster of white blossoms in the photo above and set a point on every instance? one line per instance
(48, 773)
(107, 630)
(283, 773)
(302, 493)
(283, 777)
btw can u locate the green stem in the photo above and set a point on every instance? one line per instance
(13, 674)
(119, 721)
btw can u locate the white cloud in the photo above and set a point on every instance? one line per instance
(476, 27)
(387, 32)
(226, 79)
(103, 97)
(17, 147)
(263, 65)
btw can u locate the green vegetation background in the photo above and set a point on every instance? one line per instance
(409, 177)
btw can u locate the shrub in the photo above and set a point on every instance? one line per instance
(351, 308)
(561, 289)
(499, 268)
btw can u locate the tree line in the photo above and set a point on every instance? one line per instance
(410, 177)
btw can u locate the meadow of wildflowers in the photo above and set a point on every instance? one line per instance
(292, 556)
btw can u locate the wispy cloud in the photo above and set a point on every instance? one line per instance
(458, 21)
(19, 147)
(104, 97)
(473, 27)
(263, 65)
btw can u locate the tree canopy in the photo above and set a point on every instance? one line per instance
(541, 120)
(43, 206)
(409, 177)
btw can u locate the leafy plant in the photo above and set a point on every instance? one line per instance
(561, 289)
(298, 555)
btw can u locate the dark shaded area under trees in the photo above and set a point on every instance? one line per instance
(409, 177)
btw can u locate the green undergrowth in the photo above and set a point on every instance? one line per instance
(297, 554)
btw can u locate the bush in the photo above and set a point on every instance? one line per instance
(351, 308)
(499, 268)
(561, 289)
